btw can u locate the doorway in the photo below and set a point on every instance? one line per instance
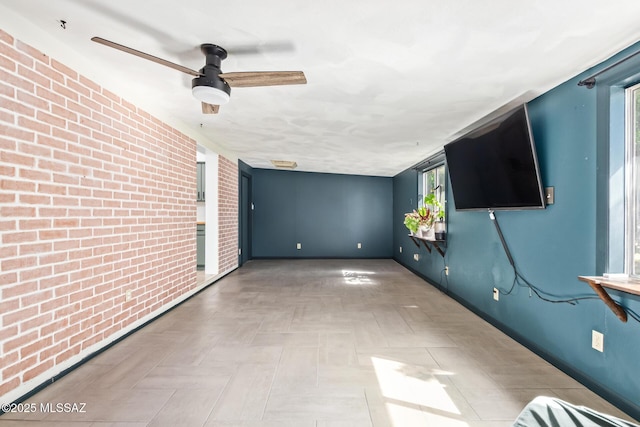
(246, 213)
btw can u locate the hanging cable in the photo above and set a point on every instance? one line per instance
(520, 280)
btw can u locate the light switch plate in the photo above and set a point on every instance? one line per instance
(597, 340)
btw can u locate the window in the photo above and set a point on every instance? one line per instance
(632, 175)
(433, 181)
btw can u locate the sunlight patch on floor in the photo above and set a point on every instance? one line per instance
(353, 277)
(414, 396)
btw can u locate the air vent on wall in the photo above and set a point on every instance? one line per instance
(284, 164)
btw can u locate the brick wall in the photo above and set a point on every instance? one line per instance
(97, 199)
(227, 215)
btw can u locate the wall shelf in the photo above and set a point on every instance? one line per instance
(439, 245)
(598, 283)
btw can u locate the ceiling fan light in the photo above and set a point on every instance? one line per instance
(210, 95)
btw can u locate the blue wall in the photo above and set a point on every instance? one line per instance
(550, 247)
(328, 214)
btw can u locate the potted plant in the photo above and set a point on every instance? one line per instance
(438, 216)
(412, 221)
(421, 221)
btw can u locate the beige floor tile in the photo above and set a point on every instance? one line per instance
(267, 423)
(369, 334)
(286, 339)
(311, 343)
(135, 405)
(410, 356)
(195, 406)
(246, 395)
(419, 339)
(298, 368)
(243, 355)
(323, 403)
(500, 404)
(342, 423)
(198, 377)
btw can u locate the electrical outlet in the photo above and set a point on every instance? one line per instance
(416, 257)
(359, 245)
(446, 270)
(496, 294)
(127, 295)
(597, 341)
(550, 195)
(298, 245)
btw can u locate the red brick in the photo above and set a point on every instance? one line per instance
(64, 135)
(54, 350)
(17, 211)
(53, 327)
(35, 273)
(36, 322)
(34, 125)
(64, 69)
(49, 72)
(7, 170)
(8, 384)
(57, 280)
(73, 351)
(34, 224)
(35, 101)
(13, 132)
(39, 369)
(51, 119)
(35, 175)
(8, 279)
(18, 263)
(6, 38)
(29, 74)
(16, 81)
(35, 248)
(32, 52)
(52, 189)
(21, 366)
(79, 338)
(52, 234)
(7, 63)
(7, 184)
(19, 237)
(17, 342)
(7, 117)
(64, 113)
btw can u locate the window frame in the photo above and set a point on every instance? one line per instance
(611, 185)
(439, 186)
(432, 163)
(631, 172)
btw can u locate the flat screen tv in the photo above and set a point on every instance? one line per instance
(495, 166)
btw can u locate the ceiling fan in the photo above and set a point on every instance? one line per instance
(211, 86)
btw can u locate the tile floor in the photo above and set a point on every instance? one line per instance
(311, 343)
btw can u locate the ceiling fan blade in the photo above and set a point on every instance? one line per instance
(210, 108)
(263, 78)
(146, 56)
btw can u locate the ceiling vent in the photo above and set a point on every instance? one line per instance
(284, 164)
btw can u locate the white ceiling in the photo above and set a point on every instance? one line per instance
(389, 82)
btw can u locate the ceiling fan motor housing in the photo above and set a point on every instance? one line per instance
(209, 77)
